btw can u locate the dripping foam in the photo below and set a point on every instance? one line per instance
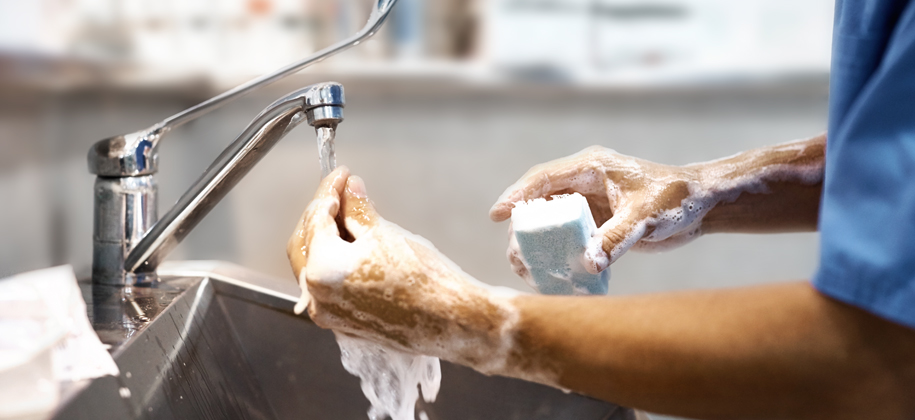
(390, 379)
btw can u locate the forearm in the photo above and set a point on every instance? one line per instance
(771, 189)
(762, 352)
(787, 207)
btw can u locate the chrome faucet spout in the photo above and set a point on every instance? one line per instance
(320, 104)
(125, 248)
(134, 154)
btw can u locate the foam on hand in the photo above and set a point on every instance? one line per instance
(552, 237)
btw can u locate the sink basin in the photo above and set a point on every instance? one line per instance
(214, 340)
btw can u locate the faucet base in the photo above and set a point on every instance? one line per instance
(125, 209)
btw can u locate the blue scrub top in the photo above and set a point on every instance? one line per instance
(867, 216)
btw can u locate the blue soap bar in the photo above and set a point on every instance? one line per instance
(552, 236)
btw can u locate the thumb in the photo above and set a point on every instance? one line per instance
(612, 240)
(318, 217)
(358, 211)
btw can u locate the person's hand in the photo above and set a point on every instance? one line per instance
(370, 278)
(637, 204)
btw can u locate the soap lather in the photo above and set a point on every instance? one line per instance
(552, 237)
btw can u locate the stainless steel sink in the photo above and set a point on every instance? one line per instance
(215, 341)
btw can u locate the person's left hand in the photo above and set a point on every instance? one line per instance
(370, 278)
(637, 204)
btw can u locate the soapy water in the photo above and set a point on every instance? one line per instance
(390, 379)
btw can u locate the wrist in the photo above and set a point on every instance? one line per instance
(714, 179)
(720, 193)
(488, 334)
(721, 183)
(467, 322)
(532, 355)
(753, 170)
(771, 189)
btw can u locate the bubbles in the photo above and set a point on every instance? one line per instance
(390, 379)
(586, 182)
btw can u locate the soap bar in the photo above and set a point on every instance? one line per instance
(552, 237)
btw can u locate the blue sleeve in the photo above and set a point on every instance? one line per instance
(867, 216)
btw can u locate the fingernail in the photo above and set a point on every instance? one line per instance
(357, 187)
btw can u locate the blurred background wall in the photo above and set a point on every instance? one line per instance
(446, 107)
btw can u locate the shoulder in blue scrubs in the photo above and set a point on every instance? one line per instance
(867, 215)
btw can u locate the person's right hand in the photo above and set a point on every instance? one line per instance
(637, 204)
(365, 276)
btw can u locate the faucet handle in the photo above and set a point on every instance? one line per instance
(127, 155)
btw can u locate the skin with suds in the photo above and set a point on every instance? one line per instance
(647, 206)
(395, 288)
(780, 351)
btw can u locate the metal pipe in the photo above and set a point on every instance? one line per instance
(125, 208)
(126, 197)
(379, 13)
(134, 154)
(320, 104)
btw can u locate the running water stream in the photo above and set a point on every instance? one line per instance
(390, 379)
(326, 154)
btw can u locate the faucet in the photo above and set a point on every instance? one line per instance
(128, 243)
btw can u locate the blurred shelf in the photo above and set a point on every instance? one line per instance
(48, 75)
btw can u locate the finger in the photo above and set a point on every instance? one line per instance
(531, 185)
(575, 173)
(320, 213)
(327, 203)
(317, 217)
(332, 185)
(359, 213)
(517, 264)
(305, 297)
(612, 240)
(513, 253)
